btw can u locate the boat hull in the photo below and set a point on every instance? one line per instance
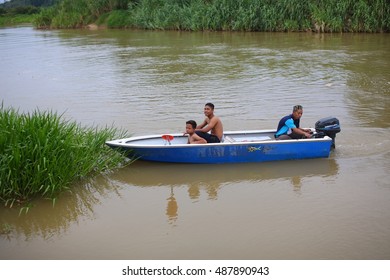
(249, 148)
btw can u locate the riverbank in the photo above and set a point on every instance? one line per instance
(11, 20)
(222, 15)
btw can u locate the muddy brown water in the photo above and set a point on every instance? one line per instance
(152, 82)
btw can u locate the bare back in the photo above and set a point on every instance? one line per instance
(196, 139)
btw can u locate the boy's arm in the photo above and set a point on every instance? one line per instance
(196, 139)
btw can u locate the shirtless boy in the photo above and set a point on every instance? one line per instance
(211, 128)
(193, 138)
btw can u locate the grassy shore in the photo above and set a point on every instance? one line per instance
(16, 16)
(42, 154)
(10, 20)
(228, 15)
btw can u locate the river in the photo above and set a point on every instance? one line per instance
(150, 82)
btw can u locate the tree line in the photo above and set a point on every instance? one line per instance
(22, 3)
(24, 7)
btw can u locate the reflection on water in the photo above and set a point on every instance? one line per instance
(47, 222)
(211, 179)
(172, 207)
(148, 174)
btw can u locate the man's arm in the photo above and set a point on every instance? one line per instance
(297, 130)
(302, 132)
(209, 126)
(203, 124)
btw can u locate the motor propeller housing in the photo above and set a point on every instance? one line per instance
(328, 126)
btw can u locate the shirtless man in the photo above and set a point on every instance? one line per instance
(193, 138)
(211, 128)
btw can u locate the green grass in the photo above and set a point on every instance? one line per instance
(43, 154)
(9, 20)
(228, 15)
(117, 19)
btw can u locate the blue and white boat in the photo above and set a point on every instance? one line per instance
(237, 146)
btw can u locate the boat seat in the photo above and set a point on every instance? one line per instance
(228, 139)
(246, 139)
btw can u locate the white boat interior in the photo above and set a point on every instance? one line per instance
(230, 137)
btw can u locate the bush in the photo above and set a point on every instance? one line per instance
(45, 18)
(43, 154)
(24, 10)
(230, 15)
(118, 19)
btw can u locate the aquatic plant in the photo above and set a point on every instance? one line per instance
(77, 13)
(42, 154)
(230, 15)
(116, 19)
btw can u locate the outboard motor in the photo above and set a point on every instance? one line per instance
(328, 126)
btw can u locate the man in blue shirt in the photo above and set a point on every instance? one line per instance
(288, 127)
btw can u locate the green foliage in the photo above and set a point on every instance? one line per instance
(17, 12)
(43, 154)
(23, 10)
(118, 19)
(45, 18)
(77, 13)
(9, 20)
(264, 15)
(231, 15)
(23, 3)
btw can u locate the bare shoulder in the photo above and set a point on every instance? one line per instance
(196, 139)
(215, 120)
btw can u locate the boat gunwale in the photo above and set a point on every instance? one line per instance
(124, 142)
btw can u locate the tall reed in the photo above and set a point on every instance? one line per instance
(231, 15)
(42, 154)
